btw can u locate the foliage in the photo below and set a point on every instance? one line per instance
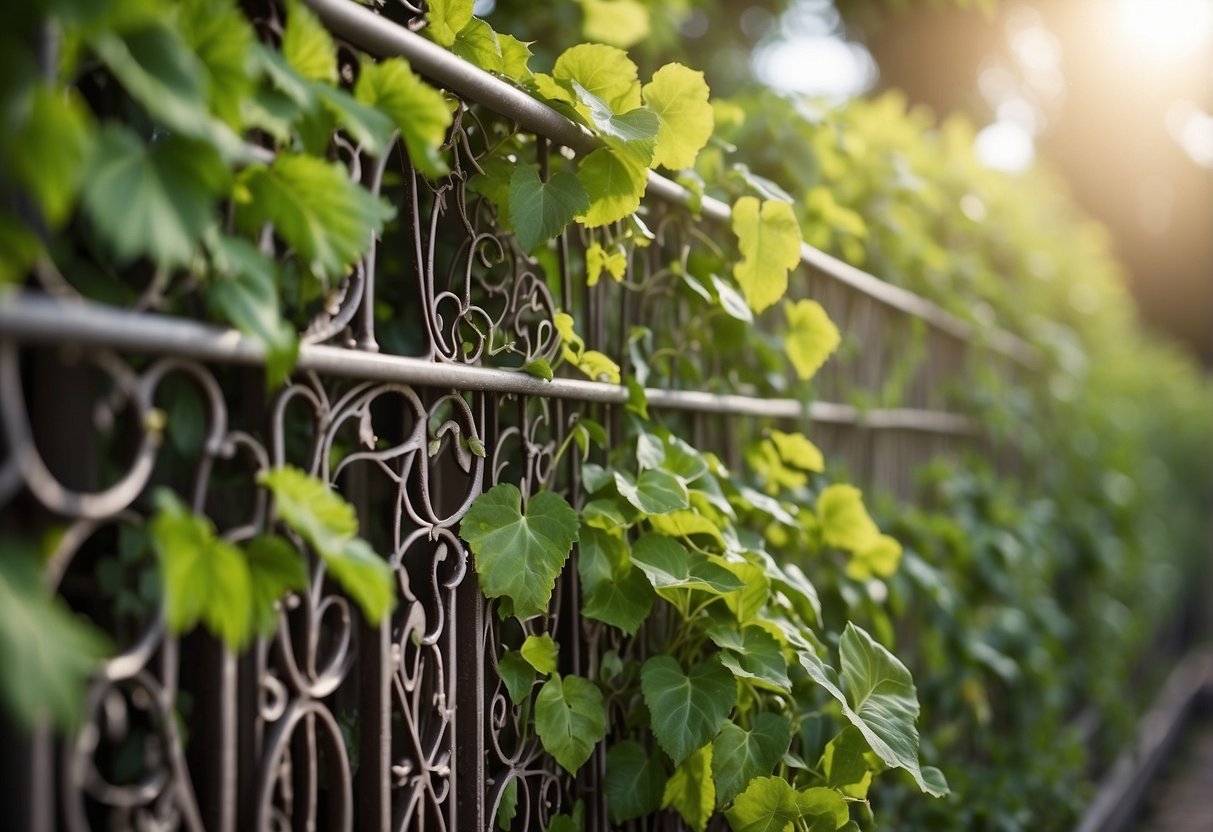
(746, 613)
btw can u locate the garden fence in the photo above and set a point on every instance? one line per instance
(332, 723)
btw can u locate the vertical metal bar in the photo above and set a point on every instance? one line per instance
(372, 797)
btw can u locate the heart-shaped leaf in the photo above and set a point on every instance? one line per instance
(518, 556)
(686, 710)
(570, 719)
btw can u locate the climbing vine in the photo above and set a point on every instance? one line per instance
(156, 150)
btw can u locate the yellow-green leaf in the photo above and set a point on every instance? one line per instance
(615, 184)
(811, 337)
(307, 45)
(597, 258)
(446, 19)
(795, 449)
(605, 71)
(879, 559)
(417, 109)
(619, 23)
(769, 239)
(679, 97)
(691, 790)
(845, 523)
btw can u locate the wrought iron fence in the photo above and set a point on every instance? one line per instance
(333, 723)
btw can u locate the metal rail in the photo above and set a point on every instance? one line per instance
(38, 318)
(382, 37)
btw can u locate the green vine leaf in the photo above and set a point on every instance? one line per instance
(752, 653)
(307, 45)
(691, 791)
(767, 805)
(845, 523)
(47, 651)
(446, 19)
(570, 719)
(205, 578)
(328, 523)
(882, 703)
(540, 652)
(605, 71)
(738, 755)
(615, 183)
(244, 291)
(518, 556)
(315, 208)
(679, 98)
(51, 137)
(621, 23)
(598, 259)
(275, 568)
(769, 238)
(222, 38)
(540, 210)
(158, 69)
(517, 674)
(670, 565)
(612, 590)
(152, 200)
(633, 128)
(811, 337)
(848, 763)
(686, 710)
(654, 492)
(635, 782)
(477, 43)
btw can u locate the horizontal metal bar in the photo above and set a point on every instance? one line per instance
(27, 316)
(1116, 804)
(380, 36)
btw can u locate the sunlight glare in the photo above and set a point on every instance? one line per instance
(1167, 30)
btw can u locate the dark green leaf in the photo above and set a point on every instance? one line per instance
(540, 210)
(517, 674)
(152, 200)
(570, 719)
(519, 556)
(686, 710)
(752, 653)
(612, 591)
(635, 782)
(739, 755)
(274, 569)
